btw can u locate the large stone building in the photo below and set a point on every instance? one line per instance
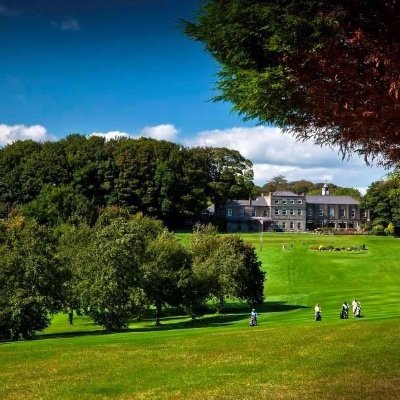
(287, 211)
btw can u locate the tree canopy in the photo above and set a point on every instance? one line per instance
(383, 200)
(325, 71)
(71, 179)
(280, 182)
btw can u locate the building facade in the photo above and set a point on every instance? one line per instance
(287, 211)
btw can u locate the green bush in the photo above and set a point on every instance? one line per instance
(378, 230)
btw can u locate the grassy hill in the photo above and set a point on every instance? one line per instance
(288, 356)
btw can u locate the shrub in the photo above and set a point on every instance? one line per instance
(390, 229)
(378, 230)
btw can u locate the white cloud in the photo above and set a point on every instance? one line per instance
(160, 132)
(12, 133)
(274, 153)
(111, 135)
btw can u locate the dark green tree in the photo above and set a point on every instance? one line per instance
(59, 204)
(165, 272)
(225, 266)
(112, 270)
(31, 278)
(383, 200)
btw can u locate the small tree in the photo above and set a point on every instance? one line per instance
(114, 257)
(389, 230)
(165, 271)
(225, 266)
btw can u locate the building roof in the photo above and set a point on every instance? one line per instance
(284, 193)
(259, 201)
(331, 200)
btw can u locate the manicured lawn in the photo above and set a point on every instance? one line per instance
(288, 356)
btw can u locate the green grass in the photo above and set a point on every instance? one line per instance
(288, 356)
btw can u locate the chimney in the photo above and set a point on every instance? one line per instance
(250, 202)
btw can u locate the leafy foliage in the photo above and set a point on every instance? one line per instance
(165, 272)
(114, 256)
(225, 266)
(383, 200)
(31, 278)
(68, 180)
(326, 71)
(280, 182)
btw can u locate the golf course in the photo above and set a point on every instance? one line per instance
(288, 355)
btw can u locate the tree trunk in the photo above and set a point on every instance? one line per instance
(158, 313)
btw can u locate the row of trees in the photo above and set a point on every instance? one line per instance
(69, 180)
(280, 182)
(120, 268)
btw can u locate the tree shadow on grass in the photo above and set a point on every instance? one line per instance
(231, 314)
(266, 307)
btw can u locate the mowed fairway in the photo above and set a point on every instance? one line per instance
(288, 356)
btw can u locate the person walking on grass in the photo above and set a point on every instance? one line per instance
(317, 311)
(354, 305)
(345, 310)
(253, 317)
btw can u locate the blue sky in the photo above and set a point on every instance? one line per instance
(123, 67)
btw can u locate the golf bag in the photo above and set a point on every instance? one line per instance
(253, 321)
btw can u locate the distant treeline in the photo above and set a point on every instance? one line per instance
(71, 179)
(303, 186)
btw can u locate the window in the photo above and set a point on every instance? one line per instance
(253, 212)
(291, 224)
(265, 213)
(276, 211)
(291, 211)
(299, 226)
(283, 225)
(229, 212)
(284, 201)
(331, 211)
(291, 201)
(310, 212)
(241, 212)
(342, 212)
(363, 213)
(353, 213)
(299, 212)
(321, 211)
(276, 201)
(299, 201)
(284, 212)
